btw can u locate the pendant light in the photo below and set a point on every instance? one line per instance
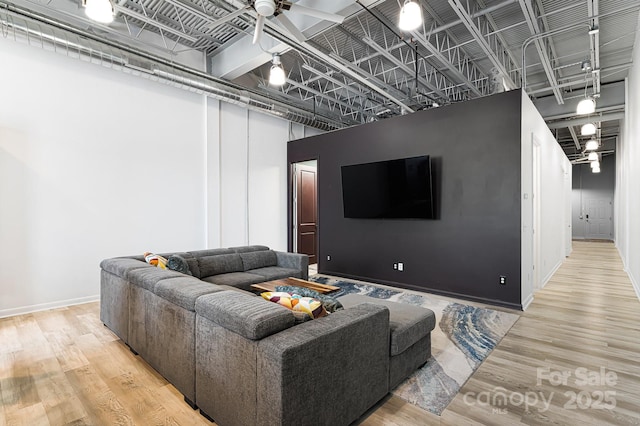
(586, 106)
(595, 169)
(588, 129)
(410, 16)
(99, 10)
(591, 145)
(595, 164)
(593, 156)
(276, 76)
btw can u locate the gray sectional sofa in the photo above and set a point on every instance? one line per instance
(244, 360)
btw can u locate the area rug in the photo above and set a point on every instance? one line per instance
(464, 336)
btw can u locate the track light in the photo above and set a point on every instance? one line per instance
(594, 29)
(591, 145)
(593, 156)
(585, 65)
(588, 129)
(99, 10)
(276, 76)
(586, 106)
(410, 16)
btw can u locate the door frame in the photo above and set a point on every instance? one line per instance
(292, 206)
(536, 152)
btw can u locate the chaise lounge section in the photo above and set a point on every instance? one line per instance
(254, 367)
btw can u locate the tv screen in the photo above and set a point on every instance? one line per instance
(393, 189)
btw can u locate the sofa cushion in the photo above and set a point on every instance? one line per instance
(184, 291)
(120, 266)
(247, 249)
(147, 278)
(235, 279)
(250, 317)
(258, 259)
(271, 273)
(210, 252)
(407, 323)
(220, 264)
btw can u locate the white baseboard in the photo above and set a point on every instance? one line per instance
(548, 277)
(46, 306)
(527, 302)
(634, 283)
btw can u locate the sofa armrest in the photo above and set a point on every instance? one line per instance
(326, 371)
(294, 261)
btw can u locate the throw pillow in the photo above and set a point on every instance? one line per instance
(331, 304)
(155, 260)
(308, 305)
(179, 264)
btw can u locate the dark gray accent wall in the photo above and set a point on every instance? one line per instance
(475, 147)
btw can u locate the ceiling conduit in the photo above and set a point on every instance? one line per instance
(25, 26)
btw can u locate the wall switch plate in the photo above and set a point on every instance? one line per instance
(328, 257)
(395, 266)
(400, 266)
(503, 280)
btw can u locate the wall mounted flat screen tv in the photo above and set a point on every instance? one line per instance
(393, 189)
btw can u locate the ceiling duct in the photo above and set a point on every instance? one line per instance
(38, 31)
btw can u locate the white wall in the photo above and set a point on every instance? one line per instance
(553, 222)
(170, 170)
(247, 175)
(628, 176)
(94, 163)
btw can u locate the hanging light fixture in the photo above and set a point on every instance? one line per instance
(595, 169)
(591, 145)
(276, 76)
(588, 129)
(410, 16)
(99, 10)
(593, 156)
(586, 106)
(595, 164)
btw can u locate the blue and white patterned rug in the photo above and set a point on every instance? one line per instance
(464, 336)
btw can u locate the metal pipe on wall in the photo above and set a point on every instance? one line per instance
(48, 34)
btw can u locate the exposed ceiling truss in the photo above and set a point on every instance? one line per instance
(365, 68)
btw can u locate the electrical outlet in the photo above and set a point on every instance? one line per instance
(395, 266)
(328, 257)
(400, 266)
(503, 280)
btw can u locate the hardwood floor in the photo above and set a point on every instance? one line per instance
(587, 317)
(64, 367)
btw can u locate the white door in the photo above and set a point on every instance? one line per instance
(598, 219)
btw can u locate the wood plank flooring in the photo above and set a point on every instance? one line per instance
(63, 366)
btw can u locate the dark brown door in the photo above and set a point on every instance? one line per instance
(307, 213)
